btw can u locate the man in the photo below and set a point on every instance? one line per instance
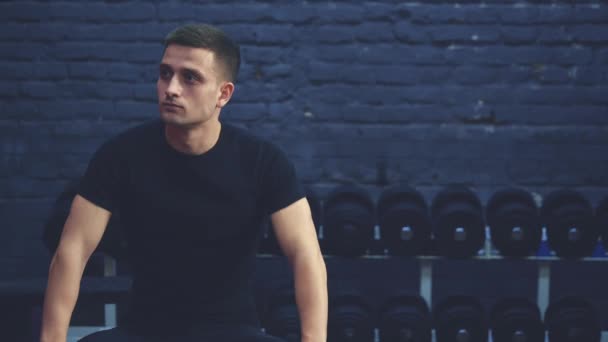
(191, 192)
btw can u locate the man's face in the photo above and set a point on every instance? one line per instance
(190, 86)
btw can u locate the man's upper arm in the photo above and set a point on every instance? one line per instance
(295, 229)
(83, 228)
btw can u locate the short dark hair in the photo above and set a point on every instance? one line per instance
(212, 38)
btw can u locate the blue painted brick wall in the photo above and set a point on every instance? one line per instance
(372, 92)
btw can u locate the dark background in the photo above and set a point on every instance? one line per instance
(376, 93)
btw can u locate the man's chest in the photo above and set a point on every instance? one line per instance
(206, 203)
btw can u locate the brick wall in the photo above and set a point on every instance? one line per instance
(425, 93)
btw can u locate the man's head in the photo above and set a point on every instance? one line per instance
(227, 53)
(196, 74)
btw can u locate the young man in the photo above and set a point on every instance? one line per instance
(192, 192)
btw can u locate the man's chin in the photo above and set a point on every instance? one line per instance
(171, 118)
(175, 120)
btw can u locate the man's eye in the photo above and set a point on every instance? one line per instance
(189, 77)
(165, 74)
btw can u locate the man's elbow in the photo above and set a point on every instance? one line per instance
(311, 260)
(70, 255)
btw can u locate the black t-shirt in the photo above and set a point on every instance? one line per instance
(192, 223)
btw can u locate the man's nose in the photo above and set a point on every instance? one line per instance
(173, 88)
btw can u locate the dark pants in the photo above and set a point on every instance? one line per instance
(227, 334)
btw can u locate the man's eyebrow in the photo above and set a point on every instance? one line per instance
(194, 71)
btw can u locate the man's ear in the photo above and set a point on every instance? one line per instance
(226, 91)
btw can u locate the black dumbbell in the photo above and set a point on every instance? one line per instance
(282, 319)
(516, 320)
(350, 319)
(404, 221)
(405, 318)
(458, 224)
(514, 222)
(316, 209)
(348, 228)
(112, 243)
(572, 319)
(601, 220)
(460, 319)
(568, 217)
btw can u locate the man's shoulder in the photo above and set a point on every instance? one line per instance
(130, 140)
(248, 140)
(147, 128)
(138, 133)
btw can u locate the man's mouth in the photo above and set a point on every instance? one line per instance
(172, 105)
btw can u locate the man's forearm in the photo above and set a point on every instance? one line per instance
(311, 296)
(60, 298)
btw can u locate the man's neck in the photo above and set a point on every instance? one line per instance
(193, 140)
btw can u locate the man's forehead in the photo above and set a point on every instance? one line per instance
(185, 56)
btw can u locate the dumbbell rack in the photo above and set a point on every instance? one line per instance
(544, 276)
(488, 253)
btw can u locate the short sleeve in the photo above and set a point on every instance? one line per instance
(280, 186)
(104, 179)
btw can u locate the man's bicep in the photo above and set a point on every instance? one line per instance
(294, 228)
(83, 228)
